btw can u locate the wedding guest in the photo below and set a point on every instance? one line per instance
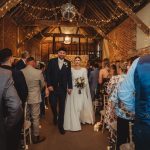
(93, 80)
(134, 95)
(130, 61)
(45, 91)
(18, 77)
(113, 108)
(113, 70)
(104, 75)
(22, 62)
(10, 110)
(35, 82)
(89, 68)
(21, 88)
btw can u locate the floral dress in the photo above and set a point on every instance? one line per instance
(112, 90)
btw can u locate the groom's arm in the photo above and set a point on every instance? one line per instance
(69, 76)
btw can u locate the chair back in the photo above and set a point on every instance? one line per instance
(105, 101)
(25, 111)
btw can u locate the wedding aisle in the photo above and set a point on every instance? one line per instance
(86, 139)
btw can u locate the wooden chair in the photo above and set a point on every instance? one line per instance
(26, 130)
(103, 112)
(130, 145)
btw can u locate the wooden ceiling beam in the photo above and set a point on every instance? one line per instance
(83, 7)
(6, 7)
(31, 35)
(70, 35)
(53, 6)
(57, 23)
(140, 24)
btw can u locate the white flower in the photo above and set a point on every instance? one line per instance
(66, 64)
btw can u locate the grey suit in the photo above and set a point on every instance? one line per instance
(93, 81)
(35, 82)
(10, 106)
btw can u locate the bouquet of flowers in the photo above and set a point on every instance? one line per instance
(80, 83)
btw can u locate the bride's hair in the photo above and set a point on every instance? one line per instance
(78, 58)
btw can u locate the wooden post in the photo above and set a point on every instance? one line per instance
(79, 46)
(54, 46)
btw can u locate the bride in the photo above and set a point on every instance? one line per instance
(78, 104)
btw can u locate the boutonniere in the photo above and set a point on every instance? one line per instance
(66, 64)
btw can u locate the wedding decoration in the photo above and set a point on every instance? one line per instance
(68, 11)
(80, 83)
(97, 126)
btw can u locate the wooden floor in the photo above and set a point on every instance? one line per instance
(86, 139)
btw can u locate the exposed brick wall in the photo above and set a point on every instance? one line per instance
(124, 36)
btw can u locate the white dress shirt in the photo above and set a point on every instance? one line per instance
(60, 63)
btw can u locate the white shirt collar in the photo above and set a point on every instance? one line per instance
(24, 60)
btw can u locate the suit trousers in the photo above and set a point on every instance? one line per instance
(58, 97)
(33, 111)
(141, 136)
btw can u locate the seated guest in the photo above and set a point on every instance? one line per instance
(20, 86)
(10, 110)
(22, 62)
(35, 82)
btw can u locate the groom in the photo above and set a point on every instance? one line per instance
(59, 80)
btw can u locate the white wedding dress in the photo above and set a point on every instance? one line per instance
(78, 107)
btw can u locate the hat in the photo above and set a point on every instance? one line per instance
(62, 49)
(4, 54)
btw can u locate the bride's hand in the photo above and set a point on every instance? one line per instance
(69, 91)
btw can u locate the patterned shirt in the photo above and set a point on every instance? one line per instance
(112, 90)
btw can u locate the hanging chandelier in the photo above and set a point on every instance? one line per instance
(67, 40)
(68, 11)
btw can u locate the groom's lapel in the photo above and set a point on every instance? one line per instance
(57, 65)
(65, 62)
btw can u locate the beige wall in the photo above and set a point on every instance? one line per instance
(142, 39)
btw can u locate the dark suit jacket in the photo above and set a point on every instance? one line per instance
(20, 65)
(10, 106)
(19, 83)
(53, 74)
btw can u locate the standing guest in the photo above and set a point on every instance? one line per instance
(89, 68)
(22, 62)
(18, 77)
(10, 109)
(93, 80)
(104, 75)
(113, 70)
(130, 61)
(59, 80)
(134, 94)
(113, 109)
(6, 60)
(45, 91)
(35, 82)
